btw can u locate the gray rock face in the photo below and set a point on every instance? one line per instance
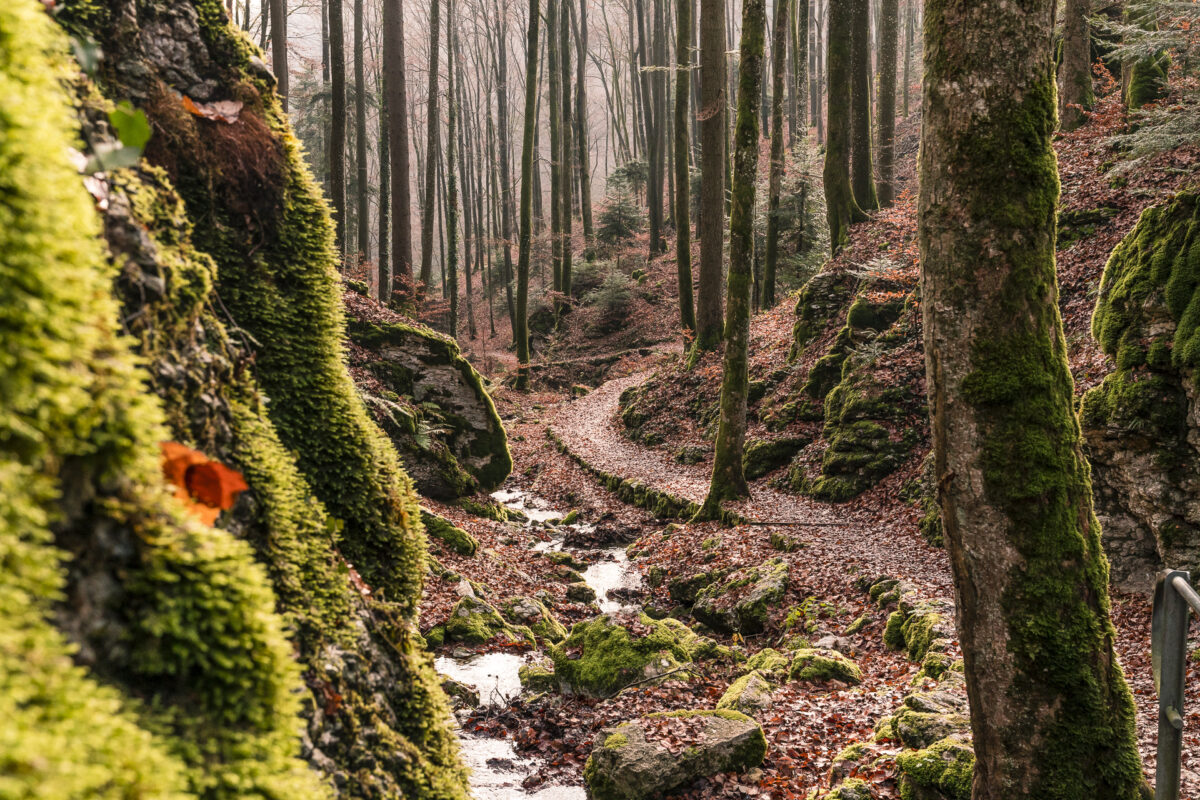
(634, 760)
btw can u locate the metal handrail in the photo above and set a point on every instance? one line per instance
(1173, 595)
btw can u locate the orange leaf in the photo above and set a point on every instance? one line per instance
(214, 484)
(176, 460)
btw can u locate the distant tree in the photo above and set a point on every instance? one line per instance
(1075, 93)
(433, 142)
(397, 110)
(337, 135)
(840, 205)
(452, 201)
(565, 149)
(684, 25)
(889, 13)
(728, 478)
(711, 222)
(1051, 715)
(362, 168)
(279, 53)
(521, 321)
(775, 180)
(581, 123)
(862, 165)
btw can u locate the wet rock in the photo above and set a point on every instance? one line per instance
(740, 602)
(604, 655)
(567, 559)
(475, 621)
(532, 613)
(602, 534)
(461, 695)
(581, 593)
(823, 665)
(537, 678)
(635, 760)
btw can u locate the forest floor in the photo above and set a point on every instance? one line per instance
(556, 426)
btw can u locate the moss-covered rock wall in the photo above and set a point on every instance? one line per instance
(1142, 423)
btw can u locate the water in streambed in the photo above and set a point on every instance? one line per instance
(497, 770)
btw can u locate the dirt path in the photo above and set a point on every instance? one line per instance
(590, 429)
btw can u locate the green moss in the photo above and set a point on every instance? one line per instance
(919, 729)
(751, 693)
(474, 621)
(536, 678)
(1148, 81)
(820, 301)
(454, 537)
(616, 740)
(762, 457)
(601, 656)
(893, 632)
(769, 662)
(851, 789)
(749, 755)
(946, 766)
(823, 665)
(486, 510)
(857, 625)
(934, 666)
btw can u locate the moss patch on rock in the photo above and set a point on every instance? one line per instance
(450, 534)
(741, 601)
(818, 665)
(603, 655)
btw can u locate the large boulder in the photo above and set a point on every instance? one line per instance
(475, 621)
(740, 602)
(429, 400)
(659, 753)
(533, 614)
(1142, 424)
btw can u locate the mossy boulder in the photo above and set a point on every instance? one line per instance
(919, 627)
(626, 764)
(581, 593)
(537, 678)
(533, 614)
(942, 771)
(475, 621)
(819, 306)
(917, 729)
(683, 590)
(850, 789)
(849, 760)
(762, 457)
(770, 663)
(741, 601)
(1142, 423)
(451, 428)
(603, 655)
(817, 665)
(449, 534)
(560, 557)
(750, 694)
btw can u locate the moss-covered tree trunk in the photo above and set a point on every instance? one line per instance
(840, 206)
(433, 145)
(1075, 94)
(384, 223)
(521, 320)
(798, 124)
(889, 13)
(775, 181)
(1051, 714)
(862, 164)
(728, 478)
(683, 178)
(711, 221)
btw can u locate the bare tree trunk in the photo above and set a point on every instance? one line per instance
(909, 18)
(683, 178)
(728, 477)
(397, 109)
(506, 205)
(888, 13)
(581, 125)
(521, 323)
(840, 205)
(279, 53)
(775, 179)
(337, 137)
(450, 275)
(360, 133)
(862, 168)
(556, 160)
(1051, 715)
(384, 264)
(1075, 93)
(711, 224)
(566, 170)
(433, 143)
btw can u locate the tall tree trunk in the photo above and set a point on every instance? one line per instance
(728, 478)
(888, 30)
(506, 210)
(798, 122)
(384, 264)
(1050, 712)
(556, 161)
(360, 133)
(1075, 93)
(279, 53)
(567, 170)
(452, 208)
(581, 126)
(909, 26)
(397, 109)
(521, 323)
(841, 208)
(647, 52)
(337, 133)
(326, 95)
(683, 178)
(433, 143)
(862, 177)
(711, 222)
(775, 179)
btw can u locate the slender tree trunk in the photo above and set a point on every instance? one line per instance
(711, 223)
(683, 182)
(581, 126)
(556, 161)
(264, 20)
(1050, 712)
(909, 18)
(728, 478)
(862, 177)
(452, 208)
(840, 205)
(385, 189)
(279, 53)
(888, 13)
(397, 109)
(566, 171)
(521, 323)
(433, 143)
(326, 94)
(506, 180)
(360, 132)
(775, 179)
(337, 137)
(1075, 93)
(799, 85)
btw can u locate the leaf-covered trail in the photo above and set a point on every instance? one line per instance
(589, 428)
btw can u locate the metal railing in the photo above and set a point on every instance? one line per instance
(1174, 598)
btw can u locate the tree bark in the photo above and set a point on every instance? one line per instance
(1075, 93)
(1050, 712)
(862, 177)
(711, 222)
(775, 179)
(728, 477)
(384, 264)
(909, 25)
(279, 53)
(337, 126)
(433, 144)
(360, 133)
(452, 207)
(521, 323)
(581, 125)
(889, 12)
(683, 181)
(841, 208)
(556, 161)
(567, 170)
(397, 109)
(507, 213)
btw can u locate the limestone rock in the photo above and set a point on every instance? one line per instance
(605, 654)
(750, 694)
(475, 621)
(823, 665)
(532, 613)
(633, 761)
(740, 602)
